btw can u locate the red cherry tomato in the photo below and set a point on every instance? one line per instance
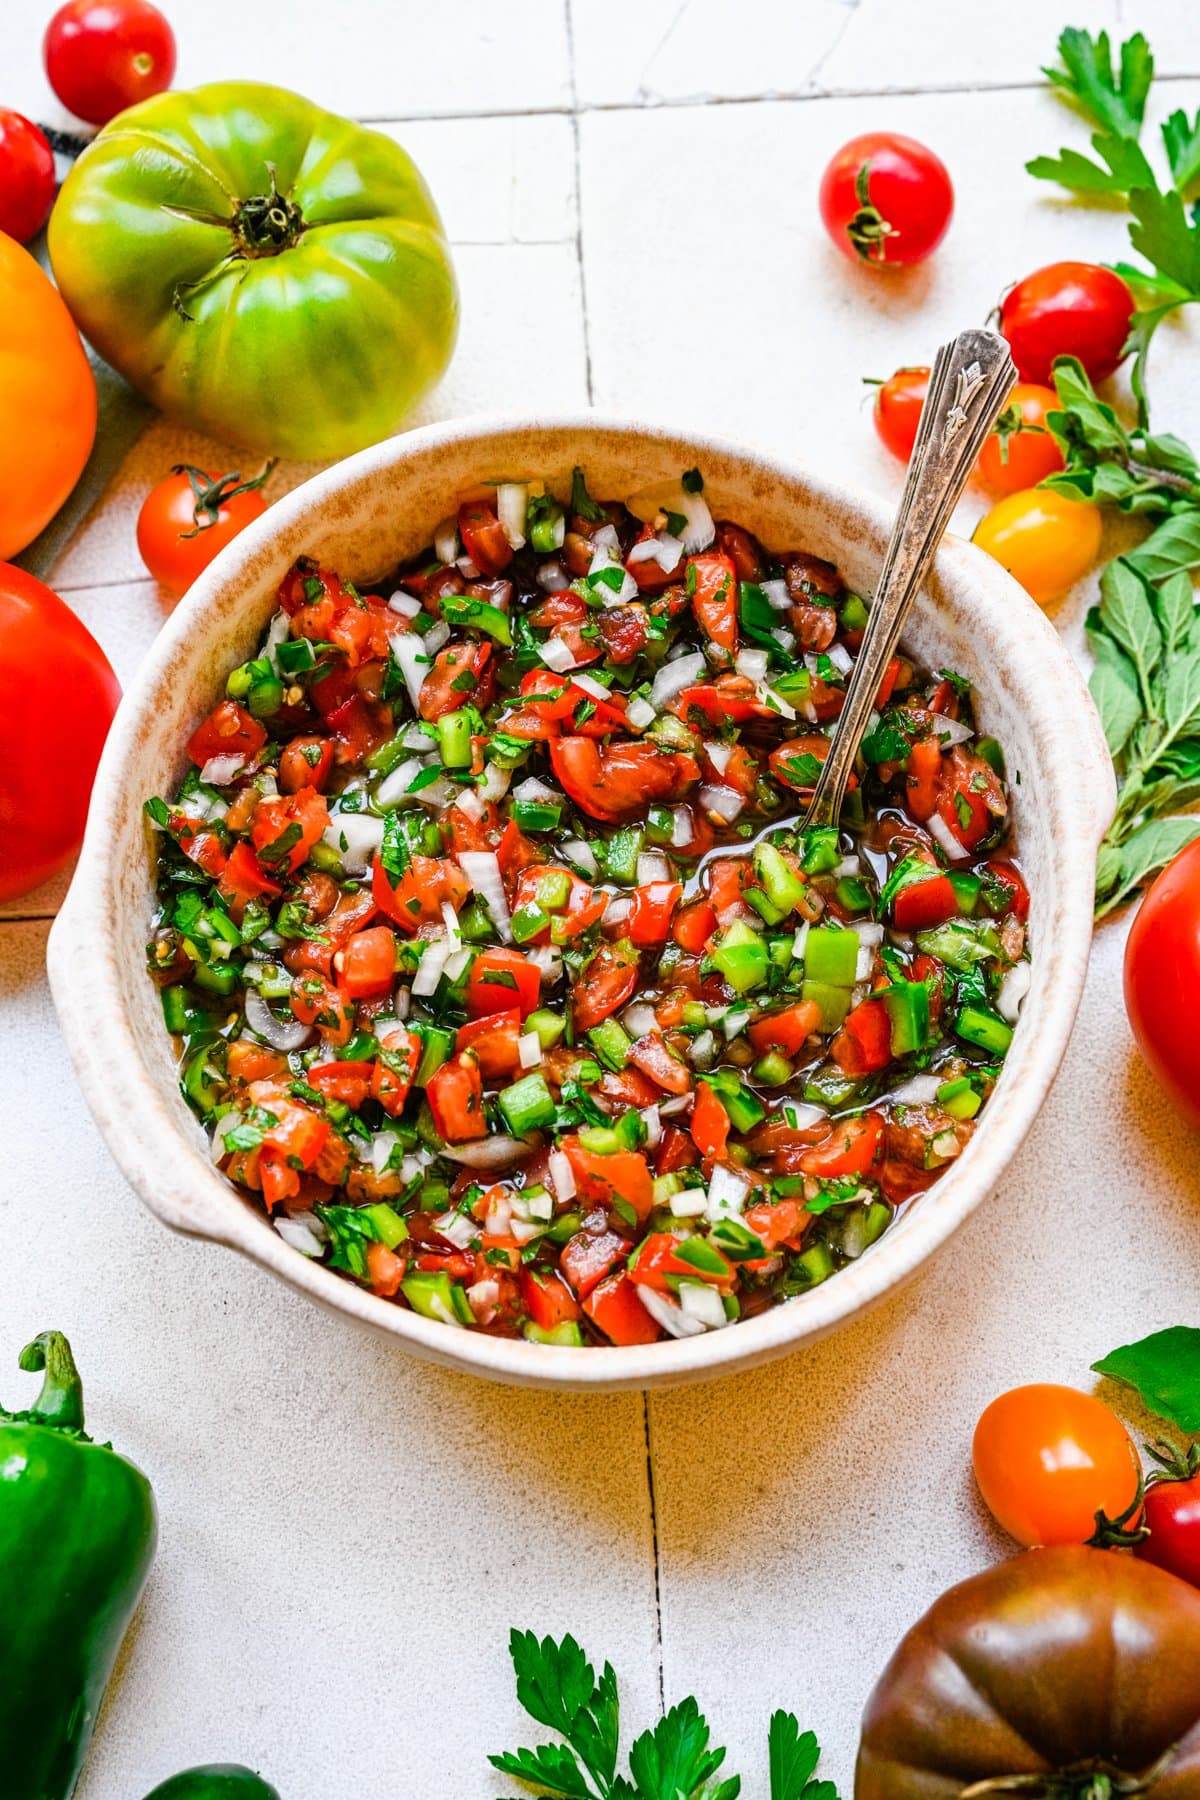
(1162, 981)
(104, 55)
(1067, 309)
(1021, 451)
(1173, 1515)
(898, 406)
(885, 199)
(57, 699)
(27, 179)
(190, 516)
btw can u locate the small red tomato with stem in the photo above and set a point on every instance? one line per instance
(898, 406)
(190, 516)
(886, 199)
(1021, 450)
(1067, 309)
(1162, 981)
(1173, 1512)
(104, 55)
(27, 179)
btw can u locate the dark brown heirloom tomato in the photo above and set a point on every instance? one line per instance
(1051, 1667)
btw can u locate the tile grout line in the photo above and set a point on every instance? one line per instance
(578, 161)
(658, 1616)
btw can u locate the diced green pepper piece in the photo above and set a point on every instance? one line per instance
(431, 1293)
(566, 1334)
(553, 889)
(475, 922)
(527, 1104)
(966, 891)
(853, 894)
(853, 614)
(203, 1077)
(175, 1010)
(454, 739)
(960, 943)
(621, 854)
(768, 912)
(218, 978)
(463, 610)
(546, 523)
(611, 1043)
(294, 656)
(879, 1217)
(979, 1025)
(564, 1227)
(390, 1228)
(959, 1098)
(783, 887)
(834, 1002)
(536, 815)
(436, 1048)
(773, 1069)
(992, 752)
(907, 1005)
(828, 1086)
(745, 1109)
(698, 1253)
(324, 857)
(548, 1026)
(822, 850)
(741, 957)
(660, 825)
(527, 922)
(812, 1266)
(831, 955)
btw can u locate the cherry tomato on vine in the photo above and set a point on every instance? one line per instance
(1043, 539)
(898, 405)
(885, 199)
(1067, 309)
(1020, 451)
(104, 55)
(1048, 1459)
(1162, 981)
(1173, 1513)
(190, 516)
(27, 179)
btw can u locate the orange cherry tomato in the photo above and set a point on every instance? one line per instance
(1048, 1459)
(1021, 451)
(47, 399)
(1044, 540)
(190, 516)
(898, 406)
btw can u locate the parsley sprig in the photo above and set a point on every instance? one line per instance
(676, 1760)
(1165, 226)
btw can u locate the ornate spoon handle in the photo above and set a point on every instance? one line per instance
(971, 380)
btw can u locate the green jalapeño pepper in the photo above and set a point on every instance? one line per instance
(215, 1781)
(77, 1535)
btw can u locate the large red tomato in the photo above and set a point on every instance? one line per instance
(1162, 981)
(1063, 1664)
(57, 699)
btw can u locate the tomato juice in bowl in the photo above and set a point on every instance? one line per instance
(606, 1085)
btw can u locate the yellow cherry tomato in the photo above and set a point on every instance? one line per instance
(1043, 539)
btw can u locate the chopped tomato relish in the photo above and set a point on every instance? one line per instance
(506, 977)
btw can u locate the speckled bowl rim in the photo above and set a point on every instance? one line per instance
(178, 1183)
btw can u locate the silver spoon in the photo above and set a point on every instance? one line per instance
(971, 380)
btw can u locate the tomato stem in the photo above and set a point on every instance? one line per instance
(1126, 1529)
(266, 224)
(868, 229)
(1175, 1464)
(211, 496)
(1085, 1781)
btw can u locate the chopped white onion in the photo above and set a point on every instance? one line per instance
(580, 853)
(1013, 990)
(382, 1145)
(734, 1019)
(437, 637)
(524, 1230)
(690, 1203)
(482, 1296)
(407, 605)
(868, 932)
(512, 499)
(718, 755)
(482, 870)
(950, 731)
(849, 865)
(703, 1049)
(617, 910)
(841, 658)
(562, 1176)
(299, 1235)
(450, 918)
(394, 787)
(356, 837)
(219, 771)
(456, 1228)
(533, 789)
(458, 963)
(591, 686)
(221, 1130)
(799, 1115)
(942, 835)
(284, 1035)
(918, 1090)
(653, 1127)
(433, 962)
(666, 1313)
(640, 713)
(784, 638)
(278, 632)
(674, 676)
(466, 567)
(436, 794)
(548, 960)
(495, 782)
(445, 541)
(725, 802)
(776, 594)
(662, 548)
(606, 548)
(418, 736)
(727, 1192)
(496, 1152)
(678, 1103)
(552, 578)
(652, 865)
(752, 664)
(409, 649)
(639, 1019)
(470, 805)
(699, 530)
(800, 942)
(556, 655)
(699, 1301)
(865, 963)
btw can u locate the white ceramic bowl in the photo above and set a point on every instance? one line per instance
(362, 517)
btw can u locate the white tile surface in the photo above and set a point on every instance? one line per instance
(345, 1536)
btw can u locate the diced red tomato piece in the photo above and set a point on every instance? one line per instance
(385, 1270)
(850, 1148)
(787, 1030)
(248, 1062)
(674, 1150)
(864, 1043)
(657, 1259)
(649, 574)
(494, 1040)
(601, 1180)
(693, 926)
(298, 1134)
(483, 537)
(369, 963)
(315, 1001)
(497, 978)
(279, 1180)
(606, 982)
(347, 1081)
(392, 1075)
(243, 878)
(923, 904)
(614, 1307)
(797, 763)
(775, 1225)
(709, 1123)
(455, 1096)
(547, 1298)
(651, 1055)
(589, 1256)
(1006, 875)
(286, 826)
(229, 730)
(714, 584)
(613, 780)
(461, 673)
(728, 697)
(890, 677)
(305, 762)
(416, 899)
(923, 778)
(650, 911)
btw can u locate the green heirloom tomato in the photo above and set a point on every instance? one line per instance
(262, 270)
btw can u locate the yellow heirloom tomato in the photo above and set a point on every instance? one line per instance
(1043, 539)
(264, 271)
